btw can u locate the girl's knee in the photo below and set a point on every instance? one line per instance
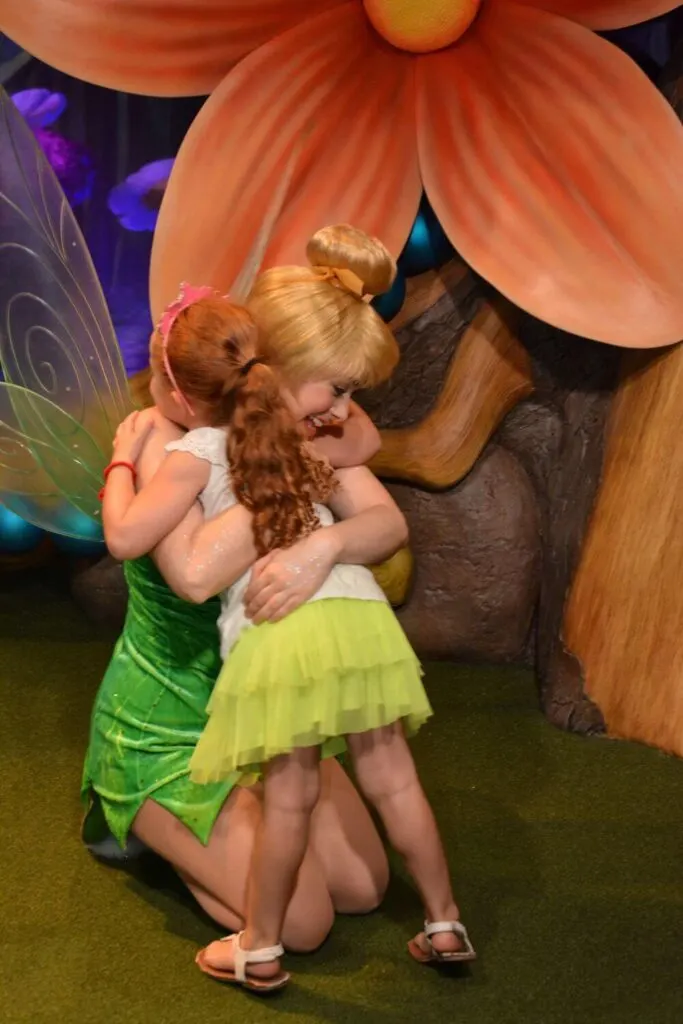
(383, 764)
(293, 783)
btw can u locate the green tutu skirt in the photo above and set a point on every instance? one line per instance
(331, 668)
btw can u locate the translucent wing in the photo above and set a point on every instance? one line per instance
(41, 445)
(56, 336)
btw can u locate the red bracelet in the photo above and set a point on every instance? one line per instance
(113, 465)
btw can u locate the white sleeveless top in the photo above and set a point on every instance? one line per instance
(354, 581)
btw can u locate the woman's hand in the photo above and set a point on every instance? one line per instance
(284, 580)
(131, 435)
(353, 443)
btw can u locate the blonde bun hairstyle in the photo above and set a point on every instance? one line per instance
(345, 248)
(315, 322)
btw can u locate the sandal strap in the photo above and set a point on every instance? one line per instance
(243, 957)
(454, 927)
(439, 927)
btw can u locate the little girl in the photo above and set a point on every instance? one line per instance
(339, 666)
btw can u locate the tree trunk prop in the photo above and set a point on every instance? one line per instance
(558, 438)
(624, 619)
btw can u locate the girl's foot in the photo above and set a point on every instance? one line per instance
(256, 969)
(442, 942)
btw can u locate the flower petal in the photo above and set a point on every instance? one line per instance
(151, 175)
(156, 47)
(555, 169)
(331, 83)
(603, 14)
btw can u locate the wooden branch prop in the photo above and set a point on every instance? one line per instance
(624, 619)
(423, 291)
(489, 374)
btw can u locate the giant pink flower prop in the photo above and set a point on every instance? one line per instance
(554, 166)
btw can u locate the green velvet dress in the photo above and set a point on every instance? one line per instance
(151, 710)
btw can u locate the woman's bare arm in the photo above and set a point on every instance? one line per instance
(354, 444)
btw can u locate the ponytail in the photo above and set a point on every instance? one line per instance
(274, 475)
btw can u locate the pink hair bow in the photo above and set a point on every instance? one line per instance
(188, 295)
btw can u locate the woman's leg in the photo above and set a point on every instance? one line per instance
(347, 844)
(387, 776)
(217, 874)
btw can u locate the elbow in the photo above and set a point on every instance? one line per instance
(373, 443)
(402, 531)
(192, 589)
(195, 595)
(121, 547)
(396, 534)
(191, 596)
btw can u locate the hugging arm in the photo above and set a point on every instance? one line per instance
(353, 444)
(372, 528)
(181, 554)
(201, 558)
(135, 523)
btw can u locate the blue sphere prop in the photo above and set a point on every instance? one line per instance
(427, 247)
(17, 537)
(92, 544)
(389, 304)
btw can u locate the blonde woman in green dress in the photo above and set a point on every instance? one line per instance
(58, 417)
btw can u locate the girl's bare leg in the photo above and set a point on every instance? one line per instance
(217, 874)
(387, 776)
(291, 790)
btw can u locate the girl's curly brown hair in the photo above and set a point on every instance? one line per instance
(212, 350)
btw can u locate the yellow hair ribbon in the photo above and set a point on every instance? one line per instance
(349, 281)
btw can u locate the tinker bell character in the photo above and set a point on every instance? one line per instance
(338, 666)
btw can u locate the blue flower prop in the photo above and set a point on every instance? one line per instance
(71, 162)
(135, 202)
(39, 107)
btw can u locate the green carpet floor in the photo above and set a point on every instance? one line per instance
(566, 852)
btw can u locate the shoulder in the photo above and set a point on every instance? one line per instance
(153, 454)
(206, 443)
(165, 427)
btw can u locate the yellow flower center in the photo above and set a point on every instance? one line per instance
(420, 26)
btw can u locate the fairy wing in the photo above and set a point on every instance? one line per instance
(32, 459)
(57, 344)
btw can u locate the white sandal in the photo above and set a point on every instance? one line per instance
(436, 956)
(242, 958)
